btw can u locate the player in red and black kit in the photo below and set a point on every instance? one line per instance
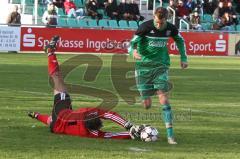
(83, 122)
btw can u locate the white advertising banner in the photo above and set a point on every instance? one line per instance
(10, 38)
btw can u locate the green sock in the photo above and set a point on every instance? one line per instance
(167, 117)
(169, 132)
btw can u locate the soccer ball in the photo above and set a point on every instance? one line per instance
(149, 134)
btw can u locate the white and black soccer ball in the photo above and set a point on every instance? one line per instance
(149, 134)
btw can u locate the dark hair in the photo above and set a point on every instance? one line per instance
(92, 121)
(161, 13)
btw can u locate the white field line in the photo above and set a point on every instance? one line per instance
(136, 149)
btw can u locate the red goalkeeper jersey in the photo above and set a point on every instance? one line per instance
(71, 122)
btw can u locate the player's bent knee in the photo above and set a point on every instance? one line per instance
(147, 103)
(163, 101)
(163, 98)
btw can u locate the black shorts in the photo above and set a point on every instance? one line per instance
(61, 101)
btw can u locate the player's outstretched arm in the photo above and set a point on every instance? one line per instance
(114, 117)
(182, 50)
(139, 34)
(132, 50)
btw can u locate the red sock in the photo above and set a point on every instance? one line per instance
(52, 64)
(46, 119)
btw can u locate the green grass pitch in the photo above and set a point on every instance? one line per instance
(205, 99)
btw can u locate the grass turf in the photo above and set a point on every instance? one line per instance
(205, 100)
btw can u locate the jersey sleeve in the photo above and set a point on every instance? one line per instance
(180, 44)
(139, 34)
(133, 44)
(114, 117)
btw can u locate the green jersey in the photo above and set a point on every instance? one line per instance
(151, 44)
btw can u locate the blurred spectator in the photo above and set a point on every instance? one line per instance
(195, 21)
(182, 11)
(92, 7)
(199, 6)
(50, 16)
(237, 2)
(209, 6)
(112, 10)
(190, 5)
(71, 9)
(59, 3)
(173, 5)
(231, 12)
(218, 12)
(45, 2)
(135, 11)
(125, 10)
(101, 4)
(14, 18)
(224, 23)
(113, 1)
(225, 2)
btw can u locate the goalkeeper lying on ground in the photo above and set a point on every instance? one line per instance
(84, 122)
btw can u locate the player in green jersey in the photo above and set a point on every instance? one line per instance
(149, 48)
